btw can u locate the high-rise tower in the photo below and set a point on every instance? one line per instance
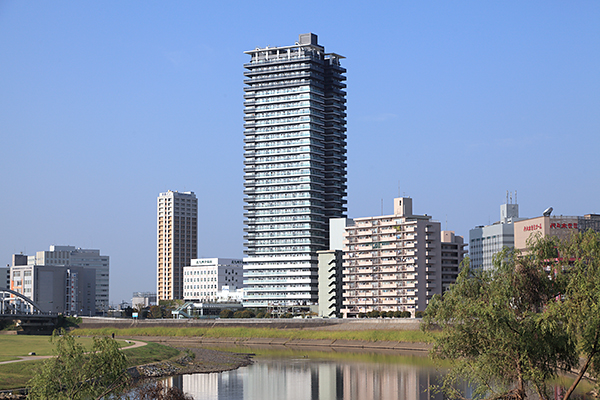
(295, 168)
(177, 241)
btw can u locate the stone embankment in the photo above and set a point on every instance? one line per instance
(196, 360)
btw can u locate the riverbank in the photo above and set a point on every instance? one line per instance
(412, 348)
(352, 333)
(195, 360)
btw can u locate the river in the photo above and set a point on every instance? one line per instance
(313, 375)
(300, 374)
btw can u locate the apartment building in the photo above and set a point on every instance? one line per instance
(392, 262)
(177, 241)
(453, 252)
(204, 278)
(295, 168)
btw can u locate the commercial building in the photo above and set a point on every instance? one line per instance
(71, 256)
(205, 278)
(177, 241)
(295, 168)
(57, 289)
(486, 241)
(394, 262)
(560, 226)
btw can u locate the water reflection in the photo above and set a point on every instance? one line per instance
(310, 378)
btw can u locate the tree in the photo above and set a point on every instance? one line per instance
(579, 262)
(156, 312)
(497, 329)
(75, 373)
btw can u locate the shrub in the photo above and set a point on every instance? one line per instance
(226, 313)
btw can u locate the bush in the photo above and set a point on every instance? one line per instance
(373, 314)
(287, 315)
(227, 313)
(263, 314)
(419, 314)
(362, 315)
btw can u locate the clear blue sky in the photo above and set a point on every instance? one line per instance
(103, 105)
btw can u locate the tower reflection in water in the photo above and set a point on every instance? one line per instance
(304, 379)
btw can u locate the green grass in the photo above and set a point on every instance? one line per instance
(239, 332)
(16, 375)
(14, 346)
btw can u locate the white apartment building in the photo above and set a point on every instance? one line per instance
(205, 278)
(486, 241)
(76, 257)
(176, 242)
(392, 262)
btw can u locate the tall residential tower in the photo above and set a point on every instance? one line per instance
(295, 168)
(177, 241)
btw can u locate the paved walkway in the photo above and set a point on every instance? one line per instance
(135, 343)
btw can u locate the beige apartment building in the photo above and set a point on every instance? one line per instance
(177, 241)
(394, 262)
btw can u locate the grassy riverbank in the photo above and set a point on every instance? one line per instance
(409, 336)
(16, 375)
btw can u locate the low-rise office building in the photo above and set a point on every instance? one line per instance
(547, 225)
(56, 289)
(71, 256)
(143, 299)
(486, 241)
(205, 277)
